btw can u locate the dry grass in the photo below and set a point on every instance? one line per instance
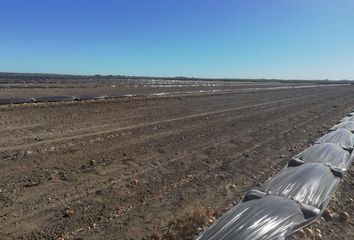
(188, 226)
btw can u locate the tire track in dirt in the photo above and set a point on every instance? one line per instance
(50, 141)
(227, 141)
(137, 105)
(142, 170)
(179, 182)
(184, 181)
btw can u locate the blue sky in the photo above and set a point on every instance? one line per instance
(289, 39)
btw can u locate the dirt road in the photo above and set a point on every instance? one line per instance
(125, 168)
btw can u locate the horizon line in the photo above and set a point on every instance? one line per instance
(170, 77)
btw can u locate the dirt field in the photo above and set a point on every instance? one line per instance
(116, 88)
(128, 168)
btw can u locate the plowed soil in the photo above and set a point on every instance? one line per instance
(126, 168)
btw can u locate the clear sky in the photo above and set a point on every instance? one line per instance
(291, 39)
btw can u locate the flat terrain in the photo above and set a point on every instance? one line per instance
(126, 168)
(118, 88)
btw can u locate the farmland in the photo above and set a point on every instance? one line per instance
(128, 166)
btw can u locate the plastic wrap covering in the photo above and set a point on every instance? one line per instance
(342, 137)
(4, 101)
(93, 97)
(56, 98)
(294, 197)
(347, 118)
(326, 153)
(269, 217)
(344, 125)
(311, 184)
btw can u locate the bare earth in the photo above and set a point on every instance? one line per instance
(126, 168)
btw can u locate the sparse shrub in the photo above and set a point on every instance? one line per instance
(188, 225)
